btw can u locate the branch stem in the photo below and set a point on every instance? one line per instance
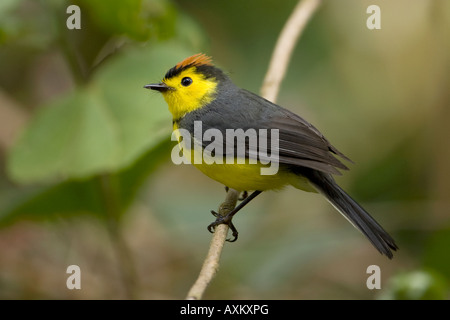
(284, 47)
(211, 263)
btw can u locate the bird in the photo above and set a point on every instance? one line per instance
(199, 93)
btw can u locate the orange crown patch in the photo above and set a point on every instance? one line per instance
(196, 60)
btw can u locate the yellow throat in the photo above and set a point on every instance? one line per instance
(182, 99)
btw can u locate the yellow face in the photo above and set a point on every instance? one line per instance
(188, 91)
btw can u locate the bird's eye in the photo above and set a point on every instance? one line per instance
(186, 81)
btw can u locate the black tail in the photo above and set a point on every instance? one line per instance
(353, 212)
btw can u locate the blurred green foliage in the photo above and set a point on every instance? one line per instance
(103, 125)
(95, 145)
(417, 285)
(90, 130)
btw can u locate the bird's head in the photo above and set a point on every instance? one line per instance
(189, 85)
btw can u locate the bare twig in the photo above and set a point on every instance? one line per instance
(211, 263)
(285, 46)
(277, 69)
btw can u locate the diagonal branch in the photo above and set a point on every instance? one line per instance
(211, 263)
(277, 70)
(285, 46)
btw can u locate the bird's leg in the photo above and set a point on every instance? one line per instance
(242, 197)
(227, 218)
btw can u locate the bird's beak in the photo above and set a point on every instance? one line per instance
(161, 87)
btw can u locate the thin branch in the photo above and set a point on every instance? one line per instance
(211, 263)
(285, 46)
(277, 69)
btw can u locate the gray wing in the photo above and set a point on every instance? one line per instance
(299, 143)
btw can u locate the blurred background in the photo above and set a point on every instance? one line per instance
(86, 177)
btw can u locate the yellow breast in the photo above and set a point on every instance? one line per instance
(241, 177)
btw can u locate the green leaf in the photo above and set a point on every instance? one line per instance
(71, 137)
(436, 246)
(72, 198)
(103, 127)
(132, 178)
(118, 16)
(59, 201)
(416, 285)
(134, 18)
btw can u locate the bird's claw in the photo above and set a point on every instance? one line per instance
(223, 220)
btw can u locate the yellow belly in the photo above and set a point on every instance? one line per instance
(243, 177)
(246, 177)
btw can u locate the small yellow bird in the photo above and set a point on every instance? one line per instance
(202, 98)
